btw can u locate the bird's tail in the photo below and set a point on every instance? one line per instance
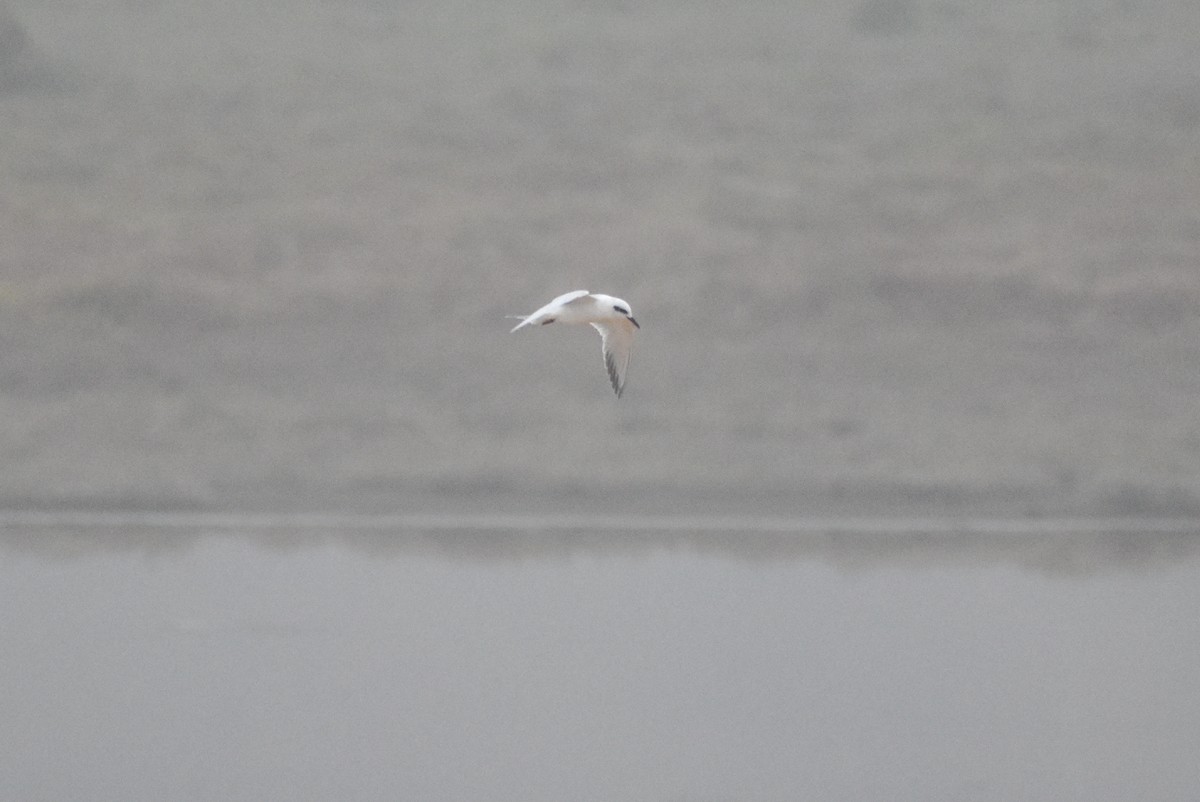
(524, 322)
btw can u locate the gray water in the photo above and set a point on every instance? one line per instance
(506, 662)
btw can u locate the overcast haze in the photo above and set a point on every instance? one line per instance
(887, 256)
(901, 500)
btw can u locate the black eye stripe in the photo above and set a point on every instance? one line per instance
(622, 311)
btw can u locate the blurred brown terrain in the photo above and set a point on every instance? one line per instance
(890, 258)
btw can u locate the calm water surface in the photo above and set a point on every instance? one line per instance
(551, 664)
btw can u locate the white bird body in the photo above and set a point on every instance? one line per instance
(610, 316)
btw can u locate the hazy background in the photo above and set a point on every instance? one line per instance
(890, 257)
(285, 513)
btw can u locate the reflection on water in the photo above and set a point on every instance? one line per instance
(1054, 545)
(261, 658)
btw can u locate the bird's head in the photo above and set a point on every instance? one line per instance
(623, 309)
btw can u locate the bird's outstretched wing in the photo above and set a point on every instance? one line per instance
(549, 310)
(566, 298)
(617, 344)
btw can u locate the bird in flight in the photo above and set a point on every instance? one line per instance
(610, 316)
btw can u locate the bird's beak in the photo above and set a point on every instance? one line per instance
(634, 322)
